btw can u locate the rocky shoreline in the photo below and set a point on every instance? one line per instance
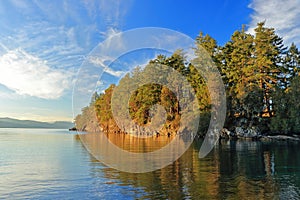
(253, 133)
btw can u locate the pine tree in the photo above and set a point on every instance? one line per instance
(291, 66)
(261, 79)
(268, 51)
(243, 97)
(208, 43)
(287, 115)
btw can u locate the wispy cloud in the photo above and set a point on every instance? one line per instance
(8, 95)
(61, 32)
(60, 46)
(284, 16)
(28, 75)
(45, 42)
(103, 62)
(112, 13)
(114, 72)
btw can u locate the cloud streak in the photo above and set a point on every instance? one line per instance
(284, 16)
(112, 13)
(43, 43)
(28, 75)
(103, 63)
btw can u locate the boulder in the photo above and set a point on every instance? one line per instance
(253, 132)
(247, 132)
(224, 133)
(239, 131)
(232, 135)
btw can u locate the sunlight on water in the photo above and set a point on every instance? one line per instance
(51, 164)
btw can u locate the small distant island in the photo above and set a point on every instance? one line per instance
(16, 123)
(261, 78)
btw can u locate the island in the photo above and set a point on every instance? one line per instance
(261, 78)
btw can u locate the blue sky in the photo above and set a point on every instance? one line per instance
(43, 43)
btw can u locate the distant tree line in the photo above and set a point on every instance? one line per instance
(260, 75)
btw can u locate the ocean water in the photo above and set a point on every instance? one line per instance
(54, 164)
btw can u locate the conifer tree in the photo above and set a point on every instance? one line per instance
(268, 51)
(240, 77)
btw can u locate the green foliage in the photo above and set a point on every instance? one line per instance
(268, 54)
(87, 120)
(259, 73)
(287, 118)
(102, 107)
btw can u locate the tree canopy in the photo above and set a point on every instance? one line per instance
(260, 75)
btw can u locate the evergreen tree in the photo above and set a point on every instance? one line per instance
(287, 115)
(291, 66)
(240, 78)
(268, 51)
(208, 43)
(261, 79)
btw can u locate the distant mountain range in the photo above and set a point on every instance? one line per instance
(16, 123)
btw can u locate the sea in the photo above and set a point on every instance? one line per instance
(56, 164)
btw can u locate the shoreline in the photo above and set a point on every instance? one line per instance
(254, 134)
(263, 138)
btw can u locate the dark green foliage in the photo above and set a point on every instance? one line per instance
(287, 118)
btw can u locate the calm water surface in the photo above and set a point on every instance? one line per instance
(53, 164)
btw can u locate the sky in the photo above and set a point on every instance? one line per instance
(44, 43)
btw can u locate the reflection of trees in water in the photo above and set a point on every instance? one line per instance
(233, 170)
(186, 177)
(245, 171)
(138, 144)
